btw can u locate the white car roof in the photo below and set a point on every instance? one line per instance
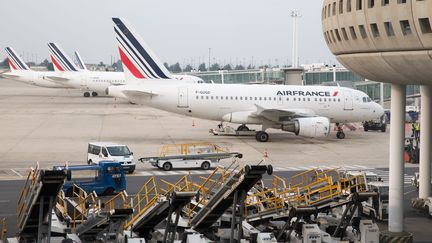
(107, 144)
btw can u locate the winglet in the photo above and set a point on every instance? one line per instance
(62, 62)
(79, 61)
(15, 61)
(138, 59)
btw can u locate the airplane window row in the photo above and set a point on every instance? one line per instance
(109, 81)
(206, 97)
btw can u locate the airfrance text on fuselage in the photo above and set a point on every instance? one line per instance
(306, 93)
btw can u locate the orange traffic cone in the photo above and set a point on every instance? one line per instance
(193, 122)
(265, 155)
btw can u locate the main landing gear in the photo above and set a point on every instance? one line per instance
(87, 94)
(340, 133)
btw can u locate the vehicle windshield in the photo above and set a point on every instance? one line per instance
(118, 150)
(370, 178)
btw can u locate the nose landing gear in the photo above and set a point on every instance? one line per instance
(340, 133)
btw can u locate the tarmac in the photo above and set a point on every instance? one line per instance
(52, 126)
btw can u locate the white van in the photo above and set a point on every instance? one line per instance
(100, 151)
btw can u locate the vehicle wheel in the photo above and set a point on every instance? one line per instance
(167, 166)
(243, 128)
(94, 94)
(372, 215)
(340, 135)
(109, 191)
(383, 129)
(86, 94)
(262, 137)
(365, 128)
(89, 162)
(205, 165)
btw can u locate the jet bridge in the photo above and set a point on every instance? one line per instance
(36, 202)
(231, 193)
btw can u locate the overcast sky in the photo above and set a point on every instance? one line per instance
(177, 30)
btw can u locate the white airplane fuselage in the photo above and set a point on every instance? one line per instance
(235, 102)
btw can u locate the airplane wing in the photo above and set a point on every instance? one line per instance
(278, 115)
(57, 78)
(134, 94)
(9, 75)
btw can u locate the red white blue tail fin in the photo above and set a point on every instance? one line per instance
(62, 62)
(15, 61)
(79, 61)
(139, 61)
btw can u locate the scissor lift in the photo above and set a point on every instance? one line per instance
(36, 202)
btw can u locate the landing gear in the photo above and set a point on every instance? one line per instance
(340, 133)
(243, 127)
(94, 94)
(262, 136)
(86, 94)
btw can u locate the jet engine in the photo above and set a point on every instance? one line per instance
(313, 127)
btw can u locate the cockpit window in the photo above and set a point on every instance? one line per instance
(367, 99)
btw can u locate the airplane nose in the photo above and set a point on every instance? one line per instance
(379, 110)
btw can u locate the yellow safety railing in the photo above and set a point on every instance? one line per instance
(86, 205)
(184, 184)
(191, 148)
(3, 229)
(119, 201)
(61, 204)
(146, 197)
(353, 184)
(28, 187)
(265, 201)
(205, 188)
(304, 178)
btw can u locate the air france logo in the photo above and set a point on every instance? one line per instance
(307, 93)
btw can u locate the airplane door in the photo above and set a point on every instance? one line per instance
(279, 100)
(183, 97)
(348, 100)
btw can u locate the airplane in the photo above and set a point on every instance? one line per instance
(303, 110)
(19, 71)
(92, 82)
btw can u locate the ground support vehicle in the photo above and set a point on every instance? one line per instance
(102, 151)
(106, 178)
(375, 125)
(230, 131)
(191, 155)
(424, 205)
(377, 207)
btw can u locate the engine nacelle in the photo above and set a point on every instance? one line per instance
(241, 117)
(313, 127)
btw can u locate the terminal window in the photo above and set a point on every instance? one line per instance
(338, 35)
(341, 6)
(362, 31)
(371, 3)
(375, 31)
(401, 1)
(359, 5)
(344, 34)
(353, 33)
(405, 27)
(389, 29)
(334, 9)
(348, 6)
(425, 25)
(385, 2)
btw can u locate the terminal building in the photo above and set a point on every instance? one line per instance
(389, 41)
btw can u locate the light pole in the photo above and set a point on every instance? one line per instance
(295, 15)
(208, 69)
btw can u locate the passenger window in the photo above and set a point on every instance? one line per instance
(211, 97)
(256, 98)
(236, 97)
(207, 97)
(202, 97)
(197, 97)
(231, 97)
(294, 99)
(241, 97)
(260, 98)
(304, 99)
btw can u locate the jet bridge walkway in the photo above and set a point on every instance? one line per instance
(36, 202)
(230, 193)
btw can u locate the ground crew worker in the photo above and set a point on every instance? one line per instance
(417, 129)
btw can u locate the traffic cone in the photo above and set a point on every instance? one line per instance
(193, 122)
(115, 102)
(265, 155)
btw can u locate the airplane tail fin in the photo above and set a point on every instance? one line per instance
(139, 61)
(79, 61)
(62, 62)
(15, 61)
